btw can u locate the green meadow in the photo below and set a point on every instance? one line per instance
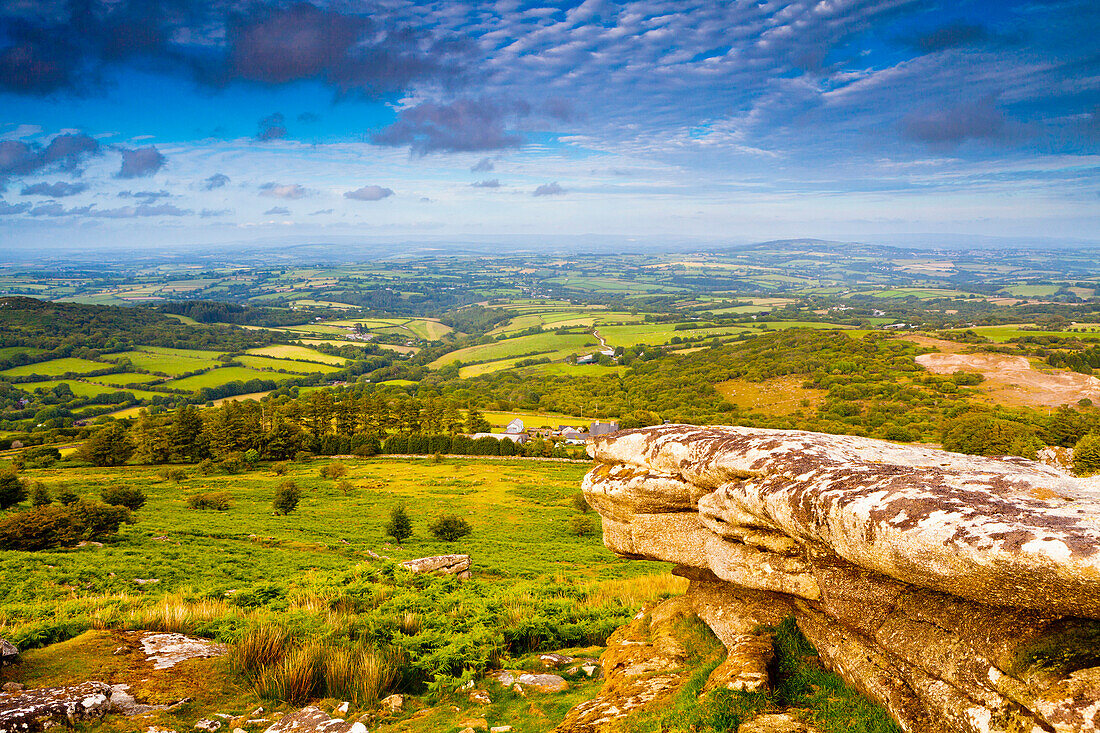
(56, 367)
(224, 375)
(522, 346)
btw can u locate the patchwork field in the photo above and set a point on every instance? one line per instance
(168, 361)
(224, 375)
(124, 378)
(297, 367)
(56, 367)
(297, 353)
(537, 344)
(779, 396)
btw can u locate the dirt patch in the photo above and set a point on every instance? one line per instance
(779, 396)
(1014, 380)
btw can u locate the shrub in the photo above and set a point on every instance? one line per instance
(345, 487)
(448, 527)
(399, 527)
(580, 503)
(287, 497)
(51, 526)
(985, 435)
(42, 456)
(1086, 455)
(251, 457)
(581, 524)
(40, 495)
(130, 497)
(67, 496)
(173, 474)
(334, 471)
(12, 489)
(280, 468)
(206, 467)
(216, 500)
(233, 464)
(303, 456)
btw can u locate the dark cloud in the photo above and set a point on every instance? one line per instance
(54, 209)
(64, 152)
(215, 181)
(969, 121)
(482, 166)
(133, 212)
(464, 125)
(272, 127)
(277, 211)
(291, 191)
(211, 213)
(320, 212)
(548, 189)
(952, 35)
(140, 162)
(309, 118)
(369, 193)
(488, 183)
(48, 47)
(148, 197)
(57, 190)
(7, 209)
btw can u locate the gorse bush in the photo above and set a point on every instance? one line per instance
(580, 503)
(40, 495)
(130, 497)
(172, 473)
(581, 524)
(52, 526)
(1086, 455)
(334, 471)
(216, 500)
(287, 497)
(449, 527)
(12, 489)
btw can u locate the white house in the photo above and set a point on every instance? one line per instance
(516, 426)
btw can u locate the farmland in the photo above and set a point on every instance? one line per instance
(536, 344)
(298, 353)
(55, 368)
(172, 362)
(224, 375)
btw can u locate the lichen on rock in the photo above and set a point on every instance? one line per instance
(958, 591)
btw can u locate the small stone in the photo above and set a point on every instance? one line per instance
(467, 730)
(342, 708)
(393, 703)
(475, 723)
(519, 691)
(501, 729)
(14, 687)
(544, 682)
(239, 730)
(554, 660)
(9, 654)
(208, 725)
(589, 669)
(481, 697)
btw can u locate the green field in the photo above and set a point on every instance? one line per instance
(541, 343)
(655, 334)
(296, 367)
(124, 378)
(56, 367)
(298, 353)
(224, 375)
(556, 319)
(168, 361)
(10, 351)
(1031, 291)
(1001, 334)
(80, 389)
(535, 419)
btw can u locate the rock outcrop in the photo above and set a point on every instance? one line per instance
(166, 650)
(960, 592)
(49, 707)
(314, 720)
(445, 564)
(9, 654)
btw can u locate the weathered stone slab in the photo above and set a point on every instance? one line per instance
(447, 564)
(35, 710)
(958, 591)
(1011, 531)
(166, 650)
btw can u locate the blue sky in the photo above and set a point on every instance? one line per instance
(143, 122)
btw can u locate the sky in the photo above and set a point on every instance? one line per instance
(139, 123)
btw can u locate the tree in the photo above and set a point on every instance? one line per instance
(983, 434)
(287, 497)
(580, 525)
(448, 527)
(399, 527)
(110, 446)
(12, 490)
(476, 422)
(1086, 455)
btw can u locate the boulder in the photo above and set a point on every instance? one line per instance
(9, 654)
(445, 564)
(314, 720)
(775, 723)
(961, 592)
(48, 707)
